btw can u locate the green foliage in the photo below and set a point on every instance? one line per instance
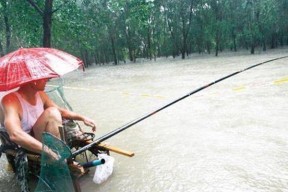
(102, 31)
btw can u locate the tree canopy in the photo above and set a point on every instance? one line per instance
(102, 31)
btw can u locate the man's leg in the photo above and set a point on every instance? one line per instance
(49, 121)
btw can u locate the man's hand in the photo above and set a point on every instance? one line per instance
(90, 123)
(54, 156)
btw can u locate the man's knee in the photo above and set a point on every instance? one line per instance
(53, 113)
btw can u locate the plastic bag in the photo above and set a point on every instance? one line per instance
(102, 172)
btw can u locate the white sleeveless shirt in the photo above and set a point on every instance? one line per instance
(30, 113)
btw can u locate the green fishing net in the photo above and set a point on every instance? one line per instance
(55, 91)
(54, 174)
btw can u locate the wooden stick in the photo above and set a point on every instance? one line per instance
(116, 150)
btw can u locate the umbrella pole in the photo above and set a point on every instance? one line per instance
(126, 126)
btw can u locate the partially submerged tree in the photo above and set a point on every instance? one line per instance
(46, 13)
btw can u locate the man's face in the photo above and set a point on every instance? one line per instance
(39, 85)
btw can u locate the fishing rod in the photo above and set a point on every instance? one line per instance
(126, 126)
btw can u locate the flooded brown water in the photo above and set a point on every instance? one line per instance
(229, 137)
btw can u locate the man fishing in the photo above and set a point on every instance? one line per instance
(29, 112)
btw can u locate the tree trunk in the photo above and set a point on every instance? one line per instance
(175, 46)
(274, 41)
(7, 28)
(264, 45)
(216, 49)
(95, 58)
(47, 23)
(234, 44)
(208, 47)
(281, 39)
(234, 41)
(149, 47)
(252, 51)
(183, 49)
(1, 50)
(130, 51)
(84, 57)
(186, 29)
(113, 49)
(8, 33)
(217, 41)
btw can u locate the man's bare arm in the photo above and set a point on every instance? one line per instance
(67, 114)
(12, 123)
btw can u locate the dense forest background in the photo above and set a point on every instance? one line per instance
(103, 31)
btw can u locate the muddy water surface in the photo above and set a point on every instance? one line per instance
(229, 137)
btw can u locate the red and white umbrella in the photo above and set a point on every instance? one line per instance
(29, 64)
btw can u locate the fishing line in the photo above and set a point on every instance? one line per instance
(131, 123)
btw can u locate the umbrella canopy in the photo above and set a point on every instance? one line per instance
(29, 64)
